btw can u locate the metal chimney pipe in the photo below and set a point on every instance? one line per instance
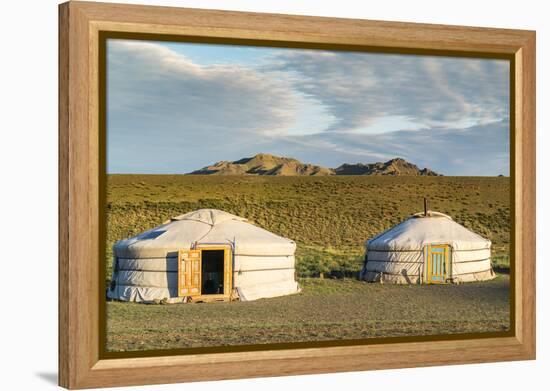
(425, 207)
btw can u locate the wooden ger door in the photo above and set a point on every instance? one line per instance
(228, 273)
(189, 273)
(437, 263)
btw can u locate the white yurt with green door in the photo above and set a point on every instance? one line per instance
(428, 247)
(203, 255)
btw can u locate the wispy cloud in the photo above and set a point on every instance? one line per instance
(156, 84)
(445, 150)
(359, 88)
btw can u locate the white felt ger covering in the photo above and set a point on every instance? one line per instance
(145, 266)
(398, 254)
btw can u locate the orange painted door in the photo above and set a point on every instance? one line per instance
(228, 273)
(189, 273)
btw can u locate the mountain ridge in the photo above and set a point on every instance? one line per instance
(271, 165)
(395, 167)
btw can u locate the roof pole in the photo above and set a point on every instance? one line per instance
(425, 206)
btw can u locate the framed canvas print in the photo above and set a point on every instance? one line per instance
(247, 195)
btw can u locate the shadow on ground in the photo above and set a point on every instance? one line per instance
(48, 377)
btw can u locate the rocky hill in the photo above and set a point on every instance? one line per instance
(263, 164)
(396, 167)
(267, 164)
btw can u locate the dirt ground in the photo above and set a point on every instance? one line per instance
(326, 309)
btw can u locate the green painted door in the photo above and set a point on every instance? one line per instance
(437, 264)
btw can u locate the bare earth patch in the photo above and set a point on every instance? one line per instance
(325, 310)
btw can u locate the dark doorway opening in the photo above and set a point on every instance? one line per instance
(212, 272)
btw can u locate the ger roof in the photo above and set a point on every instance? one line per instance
(433, 228)
(204, 227)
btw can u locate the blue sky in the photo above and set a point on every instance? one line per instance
(177, 107)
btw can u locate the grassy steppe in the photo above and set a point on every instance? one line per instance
(329, 217)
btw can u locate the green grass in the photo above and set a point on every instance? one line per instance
(330, 218)
(327, 309)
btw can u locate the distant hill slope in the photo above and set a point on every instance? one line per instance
(266, 164)
(394, 167)
(263, 164)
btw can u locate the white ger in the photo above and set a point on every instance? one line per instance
(428, 247)
(207, 254)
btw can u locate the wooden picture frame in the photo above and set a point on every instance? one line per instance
(82, 162)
